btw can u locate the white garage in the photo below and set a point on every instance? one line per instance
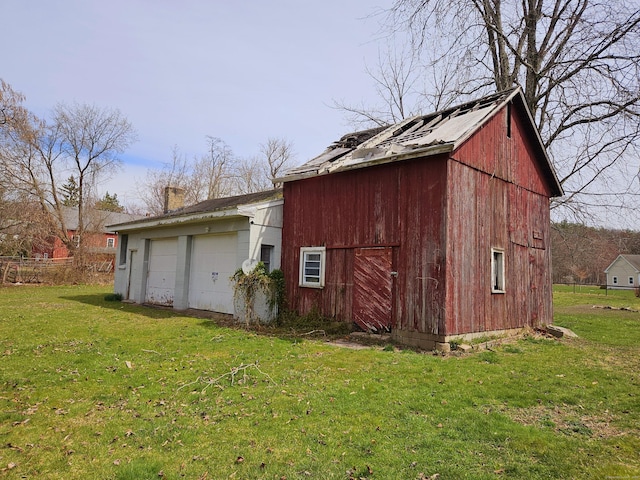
(186, 257)
(161, 277)
(213, 262)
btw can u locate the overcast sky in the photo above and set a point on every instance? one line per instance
(239, 70)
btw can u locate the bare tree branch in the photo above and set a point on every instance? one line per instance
(578, 63)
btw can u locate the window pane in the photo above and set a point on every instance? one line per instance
(265, 256)
(497, 271)
(312, 267)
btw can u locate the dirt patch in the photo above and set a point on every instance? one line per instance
(589, 309)
(566, 419)
(345, 343)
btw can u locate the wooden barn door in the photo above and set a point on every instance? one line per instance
(372, 286)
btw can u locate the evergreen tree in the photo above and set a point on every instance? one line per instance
(110, 203)
(70, 193)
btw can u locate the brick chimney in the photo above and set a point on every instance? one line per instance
(173, 199)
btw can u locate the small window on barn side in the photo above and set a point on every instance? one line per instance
(497, 271)
(124, 240)
(111, 242)
(630, 280)
(312, 265)
(615, 280)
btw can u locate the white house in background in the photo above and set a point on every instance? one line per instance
(624, 272)
(185, 257)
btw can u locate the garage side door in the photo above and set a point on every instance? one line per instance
(213, 262)
(161, 276)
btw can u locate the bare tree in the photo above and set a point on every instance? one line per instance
(578, 63)
(176, 173)
(214, 172)
(23, 220)
(210, 175)
(250, 176)
(395, 78)
(277, 155)
(91, 140)
(80, 139)
(218, 173)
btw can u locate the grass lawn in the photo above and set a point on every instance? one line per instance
(91, 389)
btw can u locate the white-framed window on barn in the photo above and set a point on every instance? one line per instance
(312, 266)
(497, 271)
(111, 242)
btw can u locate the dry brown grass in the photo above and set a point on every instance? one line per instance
(568, 419)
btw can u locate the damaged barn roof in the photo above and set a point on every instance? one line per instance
(419, 136)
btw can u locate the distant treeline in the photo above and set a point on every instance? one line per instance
(581, 254)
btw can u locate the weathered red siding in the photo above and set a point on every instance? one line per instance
(489, 212)
(510, 159)
(503, 202)
(440, 216)
(399, 205)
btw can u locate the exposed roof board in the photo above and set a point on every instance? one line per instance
(422, 135)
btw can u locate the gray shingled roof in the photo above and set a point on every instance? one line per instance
(98, 219)
(212, 205)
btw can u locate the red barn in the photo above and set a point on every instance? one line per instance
(98, 238)
(433, 229)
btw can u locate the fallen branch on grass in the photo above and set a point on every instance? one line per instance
(315, 331)
(232, 374)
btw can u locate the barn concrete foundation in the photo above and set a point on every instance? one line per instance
(440, 343)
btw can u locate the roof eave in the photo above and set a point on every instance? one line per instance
(428, 151)
(396, 157)
(246, 210)
(556, 186)
(177, 221)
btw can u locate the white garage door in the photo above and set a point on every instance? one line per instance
(161, 279)
(213, 262)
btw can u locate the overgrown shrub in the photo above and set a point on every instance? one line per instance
(312, 321)
(247, 285)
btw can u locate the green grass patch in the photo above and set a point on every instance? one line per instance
(97, 389)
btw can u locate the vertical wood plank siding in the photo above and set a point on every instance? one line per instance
(441, 216)
(396, 205)
(498, 198)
